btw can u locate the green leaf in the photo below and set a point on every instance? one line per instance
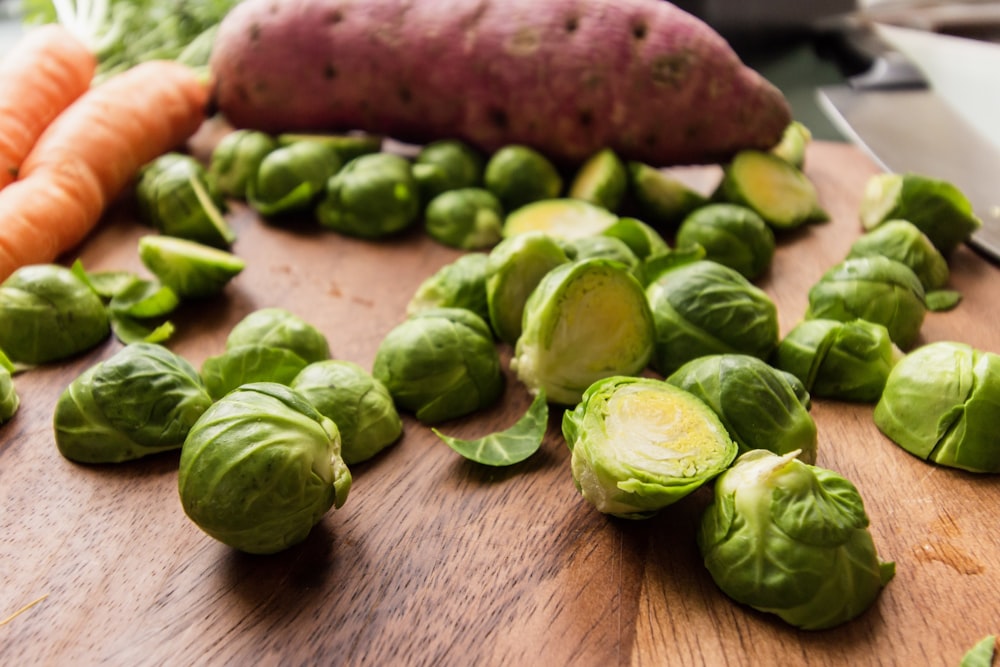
(129, 330)
(509, 446)
(144, 298)
(943, 299)
(980, 655)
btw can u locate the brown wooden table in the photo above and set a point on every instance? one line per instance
(438, 561)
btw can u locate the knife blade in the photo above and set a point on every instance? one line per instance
(892, 113)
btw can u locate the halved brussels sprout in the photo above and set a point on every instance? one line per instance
(260, 468)
(775, 189)
(47, 313)
(192, 270)
(903, 241)
(877, 289)
(848, 361)
(640, 444)
(791, 539)
(176, 196)
(662, 199)
(584, 321)
(562, 218)
(143, 400)
(513, 270)
(601, 246)
(358, 404)
(703, 307)
(643, 240)
(519, 175)
(372, 196)
(602, 180)
(465, 218)
(732, 235)
(757, 403)
(792, 146)
(9, 400)
(440, 364)
(236, 159)
(292, 178)
(941, 403)
(459, 284)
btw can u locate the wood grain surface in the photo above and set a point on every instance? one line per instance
(435, 560)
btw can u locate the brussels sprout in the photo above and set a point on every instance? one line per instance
(519, 175)
(602, 180)
(176, 196)
(514, 268)
(876, 289)
(460, 284)
(358, 404)
(757, 403)
(775, 189)
(440, 364)
(903, 241)
(562, 218)
(703, 307)
(639, 445)
(584, 321)
(190, 269)
(661, 199)
(47, 313)
(9, 400)
(260, 468)
(292, 178)
(849, 361)
(732, 235)
(466, 218)
(372, 197)
(236, 159)
(792, 146)
(941, 403)
(347, 146)
(143, 400)
(268, 345)
(791, 539)
(640, 237)
(461, 164)
(937, 208)
(607, 247)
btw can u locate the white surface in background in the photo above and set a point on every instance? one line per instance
(965, 72)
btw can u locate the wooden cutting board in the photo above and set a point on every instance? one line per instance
(436, 560)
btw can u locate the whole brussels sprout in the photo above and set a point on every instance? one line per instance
(459, 284)
(141, 401)
(513, 270)
(607, 247)
(9, 400)
(372, 196)
(466, 218)
(642, 239)
(640, 444)
(876, 289)
(585, 320)
(756, 402)
(848, 361)
(660, 197)
(358, 404)
(260, 468)
(941, 403)
(519, 175)
(440, 363)
(192, 270)
(292, 177)
(461, 164)
(176, 195)
(791, 539)
(903, 241)
(48, 313)
(236, 159)
(732, 235)
(702, 308)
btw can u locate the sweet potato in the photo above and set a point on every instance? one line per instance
(567, 77)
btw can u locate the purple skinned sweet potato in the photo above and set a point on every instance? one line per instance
(567, 77)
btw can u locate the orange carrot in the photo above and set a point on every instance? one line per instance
(90, 153)
(47, 69)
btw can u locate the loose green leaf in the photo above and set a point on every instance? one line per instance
(130, 330)
(143, 299)
(943, 299)
(980, 655)
(510, 446)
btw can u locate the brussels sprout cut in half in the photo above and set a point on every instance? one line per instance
(440, 363)
(941, 403)
(702, 307)
(584, 321)
(562, 218)
(791, 539)
(776, 189)
(640, 444)
(141, 401)
(793, 144)
(192, 270)
(260, 468)
(47, 313)
(757, 403)
(358, 404)
(661, 198)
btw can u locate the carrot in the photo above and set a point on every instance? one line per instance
(90, 153)
(47, 70)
